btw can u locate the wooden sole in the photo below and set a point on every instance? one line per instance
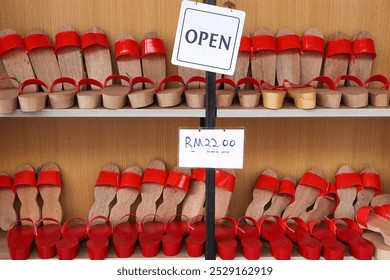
(328, 98)
(8, 100)
(62, 99)
(89, 99)
(347, 196)
(115, 96)
(32, 102)
(287, 62)
(7, 210)
(195, 98)
(273, 99)
(249, 98)
(304, 98)
(142, 98)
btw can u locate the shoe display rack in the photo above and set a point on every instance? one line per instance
(288, 140)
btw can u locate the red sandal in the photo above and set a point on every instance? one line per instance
(195, 242)
(225, 236)
(20, 239)
(175, 230)
(47, 237)
(125, 236)
(150, 235)
(98, 238)
(248, 234)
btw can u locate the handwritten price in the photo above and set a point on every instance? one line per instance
(192, 143)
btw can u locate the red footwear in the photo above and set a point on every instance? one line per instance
(274, 233)
(68, 246)
(175, 230)
(47, 237)
(195, 242)
(98, 238)
(308, 247)
(332, 249)
(125, 236)
(150, 236)
(249, 235)
(350, 233)
(225, 236)
(20, 239)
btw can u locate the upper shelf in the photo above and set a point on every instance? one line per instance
(183, 111)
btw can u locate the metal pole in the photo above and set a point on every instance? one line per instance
(210, 172)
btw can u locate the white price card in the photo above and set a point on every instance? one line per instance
(208, 37)
(211, 148)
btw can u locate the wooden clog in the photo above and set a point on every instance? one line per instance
(50, 186)
(144, 97)
(193, 203)
(15, 58)
(249, 98)
(128, 190)
(312, 47)
(363, 54)
(287, 56)
(195, 96)
(128, 57)
(115, 96)
(89, 99)
(153, 58)
(105, 190)
(224, 186)
(283, 197)
(304, 97)
(63, 99)
(371, 186)
(337, 55)
(25, 185)
(176, 188)
(243, 59)
(378, 97)
(375, 218)
(273, 97)
(224, 97)
(381, 251)
(347, 182)
(96, 51)
(170, 97)
(152, 187)
(266, 186)
(8, 98)
(327, 97)
(4, 83)
(42, 56)
(380, 199)
(7, 199)
(32, 101)
(353, 96)
(70, 59)
(309, 187)
(263, 61)
(188, 73)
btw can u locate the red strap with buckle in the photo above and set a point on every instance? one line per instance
(347, 180)
(245, 44)
(25, 177)
(199, 174)
(371, 180)
(338, 46)
(91, 38)
(9, 42)
(288, 42)
(67, 39)
(313, 180)
(127, 47)
(6, 182)
(287, 187)
(34, 41)
(130, 180)
(152, 175)
(108, 178)
(363, 46)
(178, 180)
(49, 177)
(267, 182)
(224, 180)
(152, 46)
(263, 43)
(312, 43)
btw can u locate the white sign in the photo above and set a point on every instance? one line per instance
(211, 148)
(208, 37)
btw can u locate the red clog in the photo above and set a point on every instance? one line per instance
(98, 238)
(195, 242)
(175, 230)
(225, 235)
(249, 234)
(150, 236)
(47, 237)
(125, 236)
(20, 239)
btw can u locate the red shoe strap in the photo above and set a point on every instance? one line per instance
(331, 226)
(49, 177)
(301, 223)
(199, 79)
(267, 182)
(331, 194)
(313, 180)
(178, 180)
(91, 38)
(288, 42)
(345, 180)
(6, 182)
(108, 178)
(140, 79)
(349, 78)
(278, 219)
(9, 42)
(225, 81)
(152, 46)
(324, 79)
(378, 78)
(34, 41)
(130, 180)
(287, 187)
(364, 211)
(312, 43)
(263, 43)
(252, 220)
(88, 81)
(338, 46)
(363, 46)
(127, 47)
(173, 78)
(116, 77)
(152, 175)
(25, 177)
(60, 80)
(199, 174)
(370, 180)
(29, 82)
(245, 44)
(224, 180)
(350, 223)
(67, 39)
(249, 80)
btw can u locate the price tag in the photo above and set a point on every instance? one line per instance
(211, 148)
